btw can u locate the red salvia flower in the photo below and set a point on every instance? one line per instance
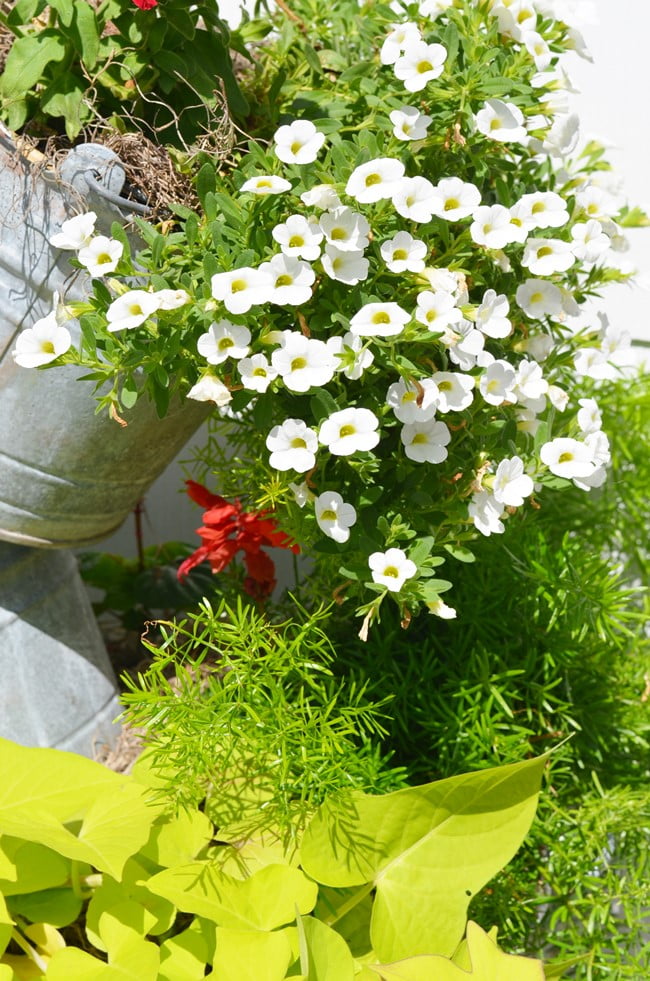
(227, 530)
(145, 4)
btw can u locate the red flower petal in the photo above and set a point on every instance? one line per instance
(145, 4)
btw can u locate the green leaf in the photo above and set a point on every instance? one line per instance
(460, 553)
(136, 958)
(248, 955)
(27, 60)
(6, 925)
(147, 912)
(325, 952)
(58, 907)
(428, 850)
(72, 964)
(555, 970)
(87, 31)
(264, 901)
(34, 867)
(66, 97)
(183, 957)
(65, 10)
(206, 182)
(179, 839)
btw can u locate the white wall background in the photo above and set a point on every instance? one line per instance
(614, 106)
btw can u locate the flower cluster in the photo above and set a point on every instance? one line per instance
(398, 323)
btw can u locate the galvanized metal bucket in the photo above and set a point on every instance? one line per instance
(67, 476)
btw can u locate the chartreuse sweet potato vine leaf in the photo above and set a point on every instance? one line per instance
(324, 954)
(486, 963)
(427, 850)
(74, 806)
(6, 925)
(250, 955)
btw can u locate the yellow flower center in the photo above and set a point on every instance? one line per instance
(451, 204)
(347, 430)
(298, 443)
(237, 285)
(424, 66)
(400, 255)
(298, 363)
(373, 179)
(328, 515)
(391, 570)
(380, 317)
(296, 241)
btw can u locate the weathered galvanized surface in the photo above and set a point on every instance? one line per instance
(67, 476)
(57, 686)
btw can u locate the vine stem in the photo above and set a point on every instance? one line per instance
(33, 955)
(350, 904)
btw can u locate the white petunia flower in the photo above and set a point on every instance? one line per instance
(590, 243)
(172, 299)
(511, 485)
(437, 310)
(101, 255)
(41, 343)
(240, 289)
(375, 180)
(542, 209)
(466, 345)
(567, 458)
(492, 226)
(415, 198)
(391, 568)
(293, 446)
(301, 494)
(413, 402)
(454, 390)
(530, 383)
(298, 143)
(409, 123)
(440, 609)
(538, 298)
(425, 442)
(447, 281)
(539, 346)
(222, 341)
(210, 389)
(75, 232)
(497, 383)
(321, 196)
(353, 357)
(457, 199)
(520, 230)
(545, 256)
(420, 63)
(589, 417)
(303, 362)
(265, 184)
(345, 229)
(538, 49)
(349, 430)
(558, 398)
(291, 279)
(515, 18)
(334, 516)
(501, 121)
(491, 316)
(431, 9)
(256, 373)
(345, 267)
(561, 139)
(486, 512)
(397, 40)
(379, 320)
(299, 237)
(591, 362)
(403, 253)
(598, 445)
(596, 202)
(131, 309)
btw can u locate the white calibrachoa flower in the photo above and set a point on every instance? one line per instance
(41, 343)
(497, 384)
(256, 373)
(501, 121)
(431, 9)
(75, 232)
(210, 389)
(545, 256)
(334, 516)
(354, 358)
(298, 143)
(321, 196)
(292, 280)
(379, 320)
(589, 417)
(241, 289)
(415, 198)
(542, 209)
(492, 226)
(516, 18)
(425, 442)
(293, 446)
(538, 49)
(397, 40)
(131, 310)
(375, 180)
(345, 229)
(172, 299)
(567, 458)
(538, 299)
(420, 63)
(346, 267)
(413, 402)
(491, 315)
(101, 255)
(511, 485)
(530, 383)
(454, 390)
(485, 511)
(409, 123)
(266, 184)
(403, 253)
(598, 444)
(349, 430)
(437, 310)
(440, 609)
(299, 237)
(590, 243)
(391, 568)
(465, 345)
(457, 199)
(301, 494)
(222, 341)
(303, 362)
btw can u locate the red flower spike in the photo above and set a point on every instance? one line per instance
(227, 530)
(145, 4)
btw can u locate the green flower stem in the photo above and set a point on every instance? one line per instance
(353, 901)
